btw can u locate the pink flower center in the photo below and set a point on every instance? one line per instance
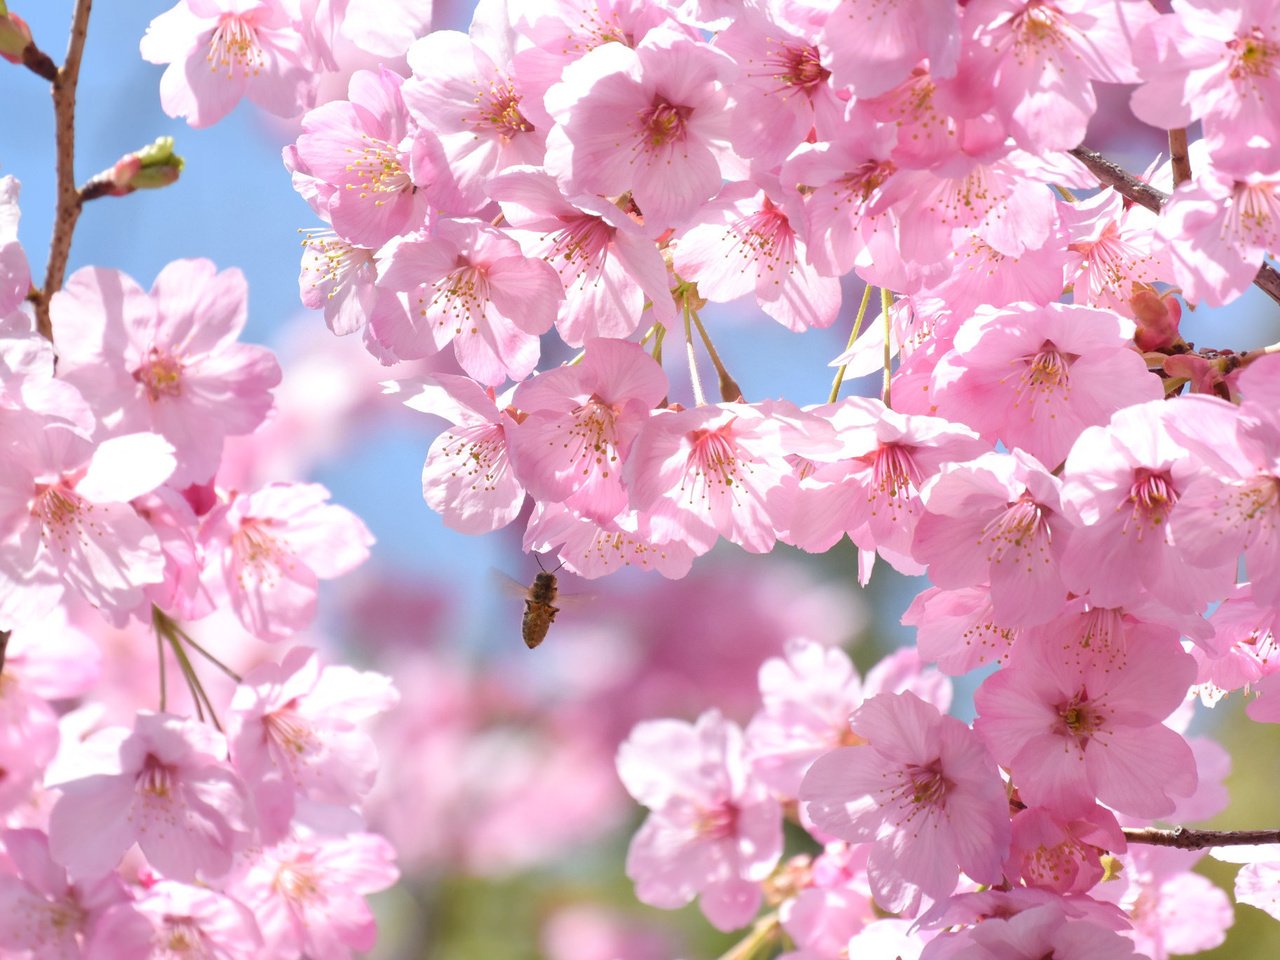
(334, 260)
(259, 557)
(1038, 26)
(155, 781)
(794, 66)
(377, 169)
(713, 465)
(1253, 216)
(593, 436)
(1079, 718)
(480, 452)
(860, 183)
(1021, 526)
(583, 243)
(664, 122)
(65, 517)
(1152, 496)
(1051, 865)
(296, 881)
(926, 784)
(288, 731)
(894, 474)
(718, 823)
(183, 937)
(160, 375)
(234, 44)
(461, 297)
(1253, 55)
(501, 115)
(766, 239)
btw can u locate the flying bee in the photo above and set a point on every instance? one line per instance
(539, 608)
(539, 602)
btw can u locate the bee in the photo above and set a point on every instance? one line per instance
(539, 608)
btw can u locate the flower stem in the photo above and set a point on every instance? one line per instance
(730, 392)
(695, 381)
(886, 303)
(857, 329)
(759, 942)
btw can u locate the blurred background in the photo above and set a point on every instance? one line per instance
(498, 785)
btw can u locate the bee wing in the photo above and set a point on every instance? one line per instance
(509, 586)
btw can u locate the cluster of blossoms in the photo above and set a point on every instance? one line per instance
(1080, 485)
(131, 833)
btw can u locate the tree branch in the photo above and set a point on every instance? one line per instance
(1142, 193)
(1185, 839)
(68, 210)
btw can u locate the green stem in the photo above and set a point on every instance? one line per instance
(857, 329)
(886, 302)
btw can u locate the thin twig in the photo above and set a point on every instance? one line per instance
(1185, 839)
(1143, 194)
(730, 392)
(68, 210)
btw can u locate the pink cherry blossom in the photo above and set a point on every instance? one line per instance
(718, 470)
(218, 51)
(1063, 854)
(166, 362)
(360, 150)
(338, 277)
(470, 285)
(467, 478)
(43, 912)
(1035, 377)
(175, 919)
(649, 120)
(873, 491)
(607, 266)
(1032, 934)
(922, 790)
(1123, 482)
(1174, 911)
(1219, 63)
(66, 521)
(308, 895)
(957, 630)
(292, 730)
(1039, 60)
(783, 93)
(167, 788)
(808, 696)
(592, 549)
(873, 46)
(463, 93)
(713, 832)
(1088, 724)
(1218, 228)
(997, 519)
(267, 550)
(743, 242)
(580, 424)
(1111, 251)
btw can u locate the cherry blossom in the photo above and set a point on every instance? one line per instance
(218, 51)
(923, 791)
(166, 362)
(714, 831)
(168, 788)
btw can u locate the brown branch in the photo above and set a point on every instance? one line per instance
(68, 210)
(1179, 155)
(4, 647)
(1143, 194)
(1185, 839)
